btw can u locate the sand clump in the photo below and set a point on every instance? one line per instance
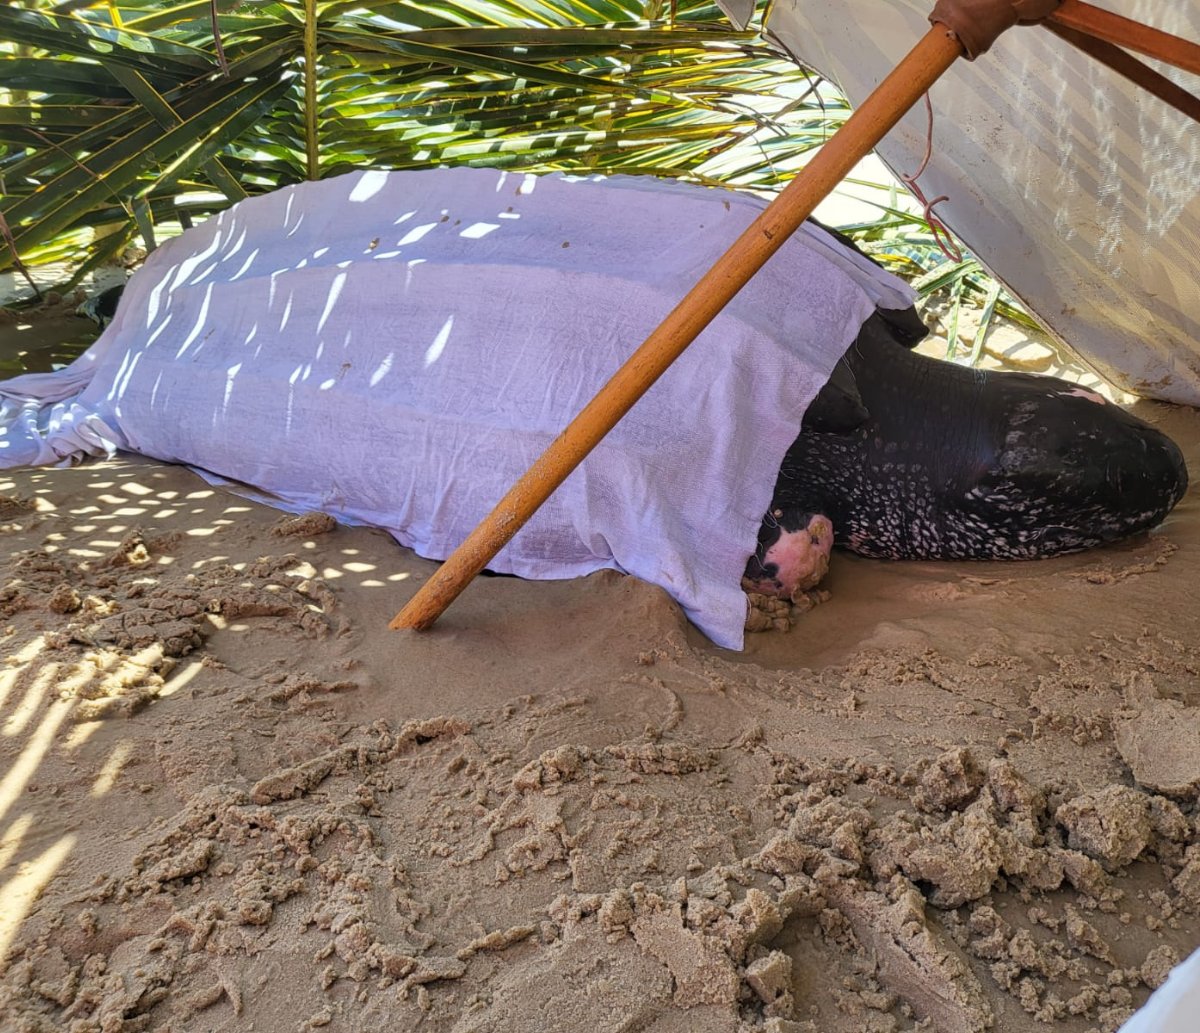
(771, 613)
(126, 622)
(510, 866)
(13, 507)
(304, 526)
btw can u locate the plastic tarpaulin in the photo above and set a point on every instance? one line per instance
(1175, 1006)
(1076, 188)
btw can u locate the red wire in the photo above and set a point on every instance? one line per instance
(941, 232)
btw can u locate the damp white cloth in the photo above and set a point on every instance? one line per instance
(396, 349)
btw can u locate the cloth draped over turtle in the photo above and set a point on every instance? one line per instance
(396, 348)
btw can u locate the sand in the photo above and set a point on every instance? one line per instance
(953, 796)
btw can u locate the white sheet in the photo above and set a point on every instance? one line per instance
(1078, 189)
(396, 348)
(1175, 1006)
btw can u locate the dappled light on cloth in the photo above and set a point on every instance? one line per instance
(396, 349)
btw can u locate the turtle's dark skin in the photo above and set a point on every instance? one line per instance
(913, 458)
(103, 306)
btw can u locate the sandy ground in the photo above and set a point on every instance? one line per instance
(954, 797)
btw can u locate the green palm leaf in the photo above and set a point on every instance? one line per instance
(117, 105)
(106, 44)
(117, 115)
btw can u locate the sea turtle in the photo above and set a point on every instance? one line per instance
(910, 457)
(902, 456)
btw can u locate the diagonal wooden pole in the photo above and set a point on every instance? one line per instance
(907, 83)
(1125, 64)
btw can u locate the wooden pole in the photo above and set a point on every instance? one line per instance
(1125, 64)
(907, 83)
(1124, 32)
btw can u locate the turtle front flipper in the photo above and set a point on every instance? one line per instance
(101, 308)
(838, 407)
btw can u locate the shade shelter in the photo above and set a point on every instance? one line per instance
(1075, 185)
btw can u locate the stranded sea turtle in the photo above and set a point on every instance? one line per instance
(901, 456)
(909, 457)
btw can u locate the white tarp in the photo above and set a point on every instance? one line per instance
(1079, 190)
(397, 348)
(1175, 1006)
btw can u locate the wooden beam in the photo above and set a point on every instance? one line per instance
(1124, 32)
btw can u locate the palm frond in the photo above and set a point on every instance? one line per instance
(112, 103)
(117, 117)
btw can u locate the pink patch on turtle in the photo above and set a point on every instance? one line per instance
(801, 559)
(1083, 392)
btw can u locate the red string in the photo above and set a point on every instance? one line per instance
(941, 233)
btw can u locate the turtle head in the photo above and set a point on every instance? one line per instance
(792, 554)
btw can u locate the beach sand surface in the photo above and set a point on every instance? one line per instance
(953, 797)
